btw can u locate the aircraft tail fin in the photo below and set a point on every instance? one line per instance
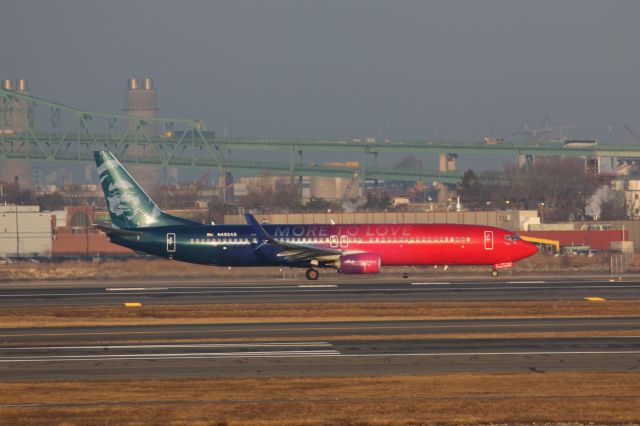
(129, 206)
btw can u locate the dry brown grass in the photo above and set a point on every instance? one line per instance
(52, 316)
(132, 268)
(159, 268)
(602, 398)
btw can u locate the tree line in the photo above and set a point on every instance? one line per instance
(560, 188)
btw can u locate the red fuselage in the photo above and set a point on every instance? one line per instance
(413, 244)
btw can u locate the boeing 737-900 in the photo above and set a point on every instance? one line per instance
(138, 223)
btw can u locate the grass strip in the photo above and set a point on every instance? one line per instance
(602, 398)
(63, 316)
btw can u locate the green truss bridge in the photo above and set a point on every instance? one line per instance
(36, 129)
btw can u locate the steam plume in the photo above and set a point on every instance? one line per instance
(594, 203)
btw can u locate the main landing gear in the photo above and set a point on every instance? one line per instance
(312, 274)
(494, 273)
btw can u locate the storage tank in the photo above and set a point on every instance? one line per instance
(7, 84)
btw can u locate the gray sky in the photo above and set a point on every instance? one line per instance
(340, 68)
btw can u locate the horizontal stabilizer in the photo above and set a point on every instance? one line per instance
(109, 230)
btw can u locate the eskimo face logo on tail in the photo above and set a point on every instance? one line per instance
(121, 200)
(124, 200)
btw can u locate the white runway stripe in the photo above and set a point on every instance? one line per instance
(115, 357)
(136, 288)
(444, 283)
(194, 345)
(317, 286)
(296, 354)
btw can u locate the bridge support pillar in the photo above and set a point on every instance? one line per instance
(447, 162)
(592, 166)
(525, 160)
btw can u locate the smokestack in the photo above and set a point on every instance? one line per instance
(15, 121)
(140, 101)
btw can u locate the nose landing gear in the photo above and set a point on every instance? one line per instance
(312, 274)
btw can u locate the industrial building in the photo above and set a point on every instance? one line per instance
(14, 119)
(24, 232)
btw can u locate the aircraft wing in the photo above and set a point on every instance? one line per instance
(302, 252)
(294, 252)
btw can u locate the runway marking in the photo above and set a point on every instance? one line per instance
(443, 283)
(240, 286)
(317, 286)
(136, 288)
(292, 354)
(526, 282)
(292, 289)
(102, 357)
(191, 345)
(351, 329)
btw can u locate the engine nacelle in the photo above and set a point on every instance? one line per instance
(360, 263)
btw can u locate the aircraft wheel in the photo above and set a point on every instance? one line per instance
(405, 275)
(312, 274)
(494, 273)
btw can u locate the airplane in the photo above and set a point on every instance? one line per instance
(139, 224)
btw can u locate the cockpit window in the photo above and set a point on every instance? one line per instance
(512, 237)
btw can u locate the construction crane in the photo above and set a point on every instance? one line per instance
(631, 132)
(541, 134)
(349, 188)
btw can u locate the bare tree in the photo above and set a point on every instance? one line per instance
(562, 184)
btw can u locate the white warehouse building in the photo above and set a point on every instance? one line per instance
(24, 231)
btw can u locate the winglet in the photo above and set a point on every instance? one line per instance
(257, 228)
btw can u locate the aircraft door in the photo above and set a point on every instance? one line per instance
(333, 241)
(488, 240)
(171, 242)
(344, 241)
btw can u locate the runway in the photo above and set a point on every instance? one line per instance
(199, 292)
(334, 348)
(271, 349)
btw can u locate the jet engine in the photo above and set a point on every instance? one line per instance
(360, 263)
